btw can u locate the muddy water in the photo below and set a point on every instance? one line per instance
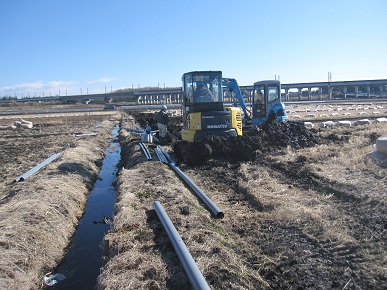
(84, 259)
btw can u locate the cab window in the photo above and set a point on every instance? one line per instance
(188, 88)
(259, 95)
(273, 93)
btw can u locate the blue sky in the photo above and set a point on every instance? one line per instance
(49, 47)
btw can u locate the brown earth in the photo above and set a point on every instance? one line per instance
(304, 209)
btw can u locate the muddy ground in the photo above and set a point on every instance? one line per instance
(303, 209)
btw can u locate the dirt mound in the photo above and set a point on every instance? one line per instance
(268, 137)
(271, 136)
(174, 127)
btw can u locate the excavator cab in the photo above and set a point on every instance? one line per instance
(203, 111)
(266, 102)
(202, 91)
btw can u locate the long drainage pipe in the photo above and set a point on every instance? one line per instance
(215, 211)
(191, 269)
(37, 167)
(146, 151)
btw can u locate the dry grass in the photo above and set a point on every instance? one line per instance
(139, 245)
(295, 219)
(38, 216)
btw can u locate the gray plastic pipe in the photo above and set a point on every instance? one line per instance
(191, 269)
(146, 151)
(215, 211)
(37, 167)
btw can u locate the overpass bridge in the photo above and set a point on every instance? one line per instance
(330, 90)
(290, 92)
(293, 91)
(341, 89)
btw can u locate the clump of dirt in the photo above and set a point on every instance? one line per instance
(145, 118)
(267, 137)
(174, 127)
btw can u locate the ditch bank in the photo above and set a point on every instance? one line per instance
(39, 216)
(84, 258)
(140, 254)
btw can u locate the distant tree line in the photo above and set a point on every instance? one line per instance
(8, 98)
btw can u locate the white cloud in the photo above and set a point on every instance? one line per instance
(54, 88)
(102, 80)
(37, 86)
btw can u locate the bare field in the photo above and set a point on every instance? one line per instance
(313, 112)
(308, 218)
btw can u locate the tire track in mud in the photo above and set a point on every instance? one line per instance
(286, 250)
(367, 229)
(296, 174)
(270, 244)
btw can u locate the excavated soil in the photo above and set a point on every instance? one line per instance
(303, 209)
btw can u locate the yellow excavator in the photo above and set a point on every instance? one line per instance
(205, 114)
(203, 111)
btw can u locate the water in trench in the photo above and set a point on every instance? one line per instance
(81, 265)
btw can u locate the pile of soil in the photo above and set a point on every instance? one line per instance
(174, 127)
(268, 137)
(271, 136)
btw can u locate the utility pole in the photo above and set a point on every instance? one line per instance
(329, 84)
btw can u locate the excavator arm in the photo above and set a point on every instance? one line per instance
(232, 86)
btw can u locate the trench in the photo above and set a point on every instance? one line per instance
(81, 264)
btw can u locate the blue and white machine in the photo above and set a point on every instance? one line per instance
(266, 101)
